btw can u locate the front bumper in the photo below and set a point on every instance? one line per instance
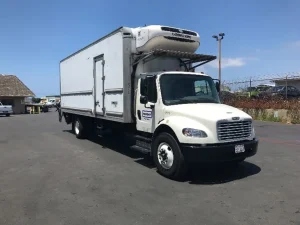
(218, 152)
(6, 112)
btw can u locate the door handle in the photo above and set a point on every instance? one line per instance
(97, 103)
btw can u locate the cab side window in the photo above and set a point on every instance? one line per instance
(152, 91)
(148, 88)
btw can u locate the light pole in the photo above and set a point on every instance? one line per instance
(219, 39)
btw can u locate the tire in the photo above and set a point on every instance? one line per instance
(7, 115)
(236, 163)
(174, 167)
(77, 128)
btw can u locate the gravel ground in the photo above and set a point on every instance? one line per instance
(47, 176)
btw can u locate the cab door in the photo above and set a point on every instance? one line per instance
(145, 104)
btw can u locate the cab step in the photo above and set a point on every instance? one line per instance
(142, 138)
(142, 144)
(141, 149)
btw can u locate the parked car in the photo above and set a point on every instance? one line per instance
(253, 92)
(263, 87)
(280, 91)
(5, 109)
(52, 102)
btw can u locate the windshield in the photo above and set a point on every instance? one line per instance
(186, 89)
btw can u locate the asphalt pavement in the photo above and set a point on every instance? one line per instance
(47, 176)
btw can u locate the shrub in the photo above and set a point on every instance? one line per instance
(253, 103)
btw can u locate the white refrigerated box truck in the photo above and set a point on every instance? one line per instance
(141, 81)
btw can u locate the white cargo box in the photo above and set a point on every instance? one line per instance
(98, 80)
(95, 81)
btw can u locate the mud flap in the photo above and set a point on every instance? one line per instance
(59, 114)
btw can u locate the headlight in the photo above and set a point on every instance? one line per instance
(190, 132)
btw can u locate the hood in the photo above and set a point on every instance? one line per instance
(207, 111)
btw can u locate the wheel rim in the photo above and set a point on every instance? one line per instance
(77, 127)
(165, 155)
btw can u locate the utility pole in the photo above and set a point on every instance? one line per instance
(219, 39)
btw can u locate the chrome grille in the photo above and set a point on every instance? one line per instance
(232, 130)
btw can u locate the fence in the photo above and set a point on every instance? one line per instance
(289, 82)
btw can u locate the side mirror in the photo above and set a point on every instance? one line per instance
(143, 99)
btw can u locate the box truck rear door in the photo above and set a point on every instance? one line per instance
(99, 86)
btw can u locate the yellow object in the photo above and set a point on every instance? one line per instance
(34, 109)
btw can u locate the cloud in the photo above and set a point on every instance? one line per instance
(295, 44)
(231, 62)
(259, 50)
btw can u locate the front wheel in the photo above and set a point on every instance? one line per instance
(167, 157)
(7, 115)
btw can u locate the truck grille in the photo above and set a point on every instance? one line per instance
(228, 130)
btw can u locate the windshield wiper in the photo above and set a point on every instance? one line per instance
(193, 101)
(187, 100)
(201, 100)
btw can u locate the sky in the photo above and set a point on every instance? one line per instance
(262, 37)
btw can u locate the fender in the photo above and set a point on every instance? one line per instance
(175, 124)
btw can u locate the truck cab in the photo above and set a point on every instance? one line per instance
(183, 115)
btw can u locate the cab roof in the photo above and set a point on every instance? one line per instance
(174, 72)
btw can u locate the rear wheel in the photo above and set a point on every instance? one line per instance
(168, 157)
(78, 128)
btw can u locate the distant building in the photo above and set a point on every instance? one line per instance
(53, 97)
(290, 81)
(50, 98)
(13, 92)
